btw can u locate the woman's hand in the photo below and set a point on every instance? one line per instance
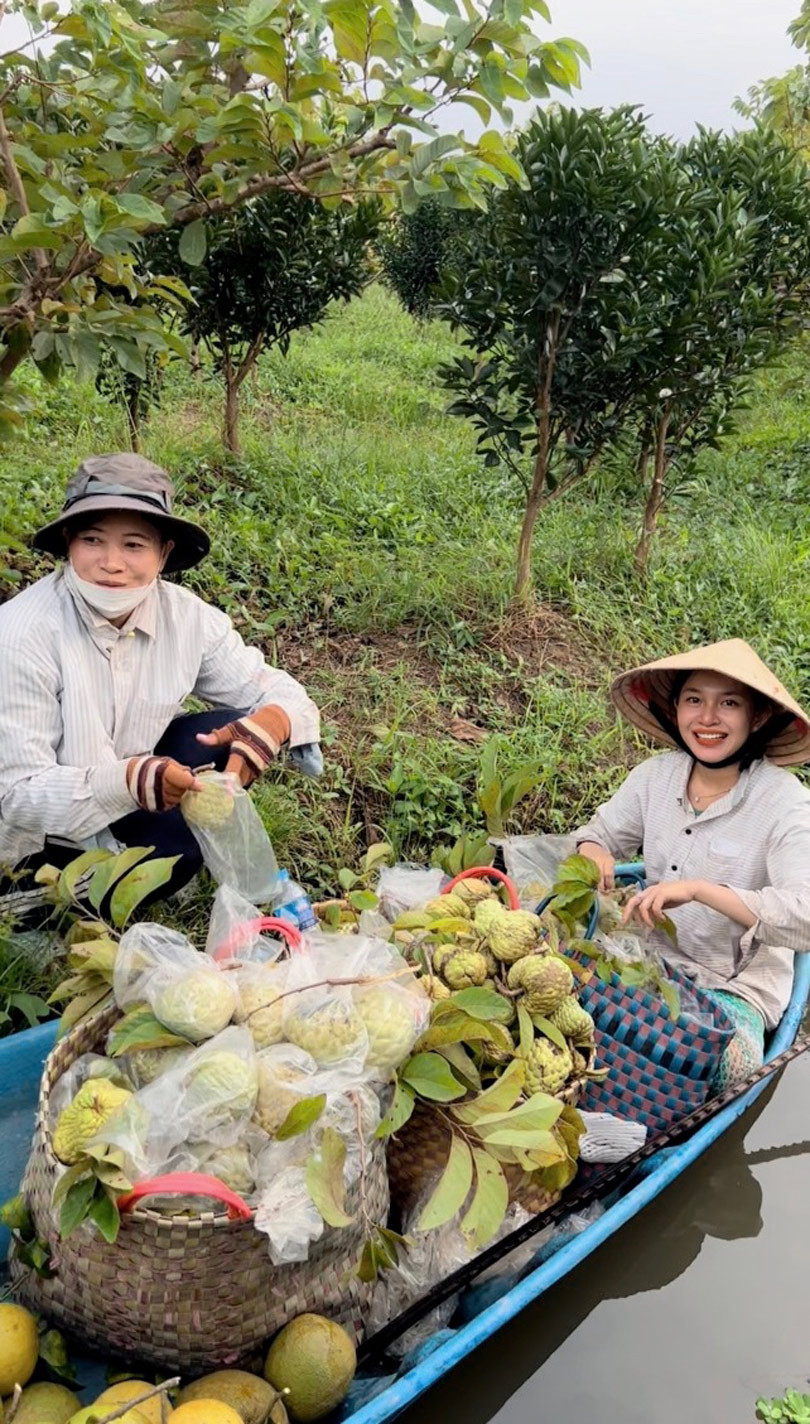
(603, 859)
(650, 906)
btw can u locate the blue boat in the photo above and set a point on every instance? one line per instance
(484, 1309)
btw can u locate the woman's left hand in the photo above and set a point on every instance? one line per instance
(650, 906)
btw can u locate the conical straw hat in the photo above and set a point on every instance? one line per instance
(634, 691)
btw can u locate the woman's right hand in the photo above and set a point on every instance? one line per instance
(603, 859)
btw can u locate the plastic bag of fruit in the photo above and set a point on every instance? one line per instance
(229, 831)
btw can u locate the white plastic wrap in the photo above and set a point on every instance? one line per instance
(208, 1098)
(406, 887)
(235, 846)
(232, 932)
(532, 863)
(287, 1075)
(260, 1002)
(186, 990)
(608, 1138)
(288, 1217)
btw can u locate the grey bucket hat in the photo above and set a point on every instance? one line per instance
(125, 481)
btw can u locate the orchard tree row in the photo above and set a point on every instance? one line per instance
(620, 300)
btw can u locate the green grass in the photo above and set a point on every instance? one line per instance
(361, 542)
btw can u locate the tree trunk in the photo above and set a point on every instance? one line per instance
(655, 499)
(132, 404)
(233, 382)
(230, 435)
(523, 579)
(194, 357)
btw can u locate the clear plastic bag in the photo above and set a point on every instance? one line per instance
(232, 930)
(260, 989)
(406, 887)
(287, 1075)
(532, 863)
(229, 831)
(90, 1065)
(208, 1098)
(288, 1217)
(187, 991)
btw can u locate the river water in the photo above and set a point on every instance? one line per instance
(696, 1308)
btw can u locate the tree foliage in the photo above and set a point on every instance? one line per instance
(625, 293)
(415, 251)
(271, 268)
(124, 118)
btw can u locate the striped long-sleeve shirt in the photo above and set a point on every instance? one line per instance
(755, 840)
(79, 697)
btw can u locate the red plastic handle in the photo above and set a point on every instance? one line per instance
(249, 928)
(487, 872)
(190, 1184)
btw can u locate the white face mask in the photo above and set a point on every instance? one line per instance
(109, 602)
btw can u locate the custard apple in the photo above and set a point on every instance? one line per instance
(390, 1025)
(472, 891)
(513, 935)
(548, 1067)
(261, 1008)
(231, 1165)
(222, 1087)
(330, 1030)
(146, 1064)
(466, 969)
(436, 988)
(448, 907)
(198, 1006)
(573, 1021)
(545, 979)
(94, 1104)
(211, 808)
(284, 1075)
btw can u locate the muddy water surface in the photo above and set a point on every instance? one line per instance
(695, 1308)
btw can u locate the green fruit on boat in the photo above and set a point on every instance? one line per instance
(315, 1360)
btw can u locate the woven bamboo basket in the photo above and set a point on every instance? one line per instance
(190, 1294)
(418, 1154)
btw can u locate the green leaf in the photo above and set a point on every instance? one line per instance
(490, 1201)
(31, 1006)
(301, 1117)
(54, 1352)
(484, 1004)
(16, 1216)
(137, 206)
(140, 1029)
(76, 868)
(538, 1113)
(346, 878)
(139, 883)
(77, 1173)
(105, 1215)
(430, 1076)
(324, 1175)
(498, 1098)
(672, 999)
(463, 1065)
(579, 870)
(398, 1113)
(76, 1206)
(362, 900)
(112, 870)
(526, 1031)
(193, 243)
(452, 1189)
(549, 1030)
(84, 1005)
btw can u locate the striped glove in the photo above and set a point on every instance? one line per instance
(157, 783)
(255, 741)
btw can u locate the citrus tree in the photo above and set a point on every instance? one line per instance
(549, 290)
(124, 118)
(271, 267)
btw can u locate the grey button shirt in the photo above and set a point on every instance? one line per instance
(756, 841)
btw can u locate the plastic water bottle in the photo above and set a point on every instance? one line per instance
(294, 905)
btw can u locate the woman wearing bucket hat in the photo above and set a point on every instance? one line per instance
(98, 659)
(724, 829)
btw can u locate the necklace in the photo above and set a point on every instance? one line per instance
(706, 796)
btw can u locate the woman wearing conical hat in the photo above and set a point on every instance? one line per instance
(723, 827)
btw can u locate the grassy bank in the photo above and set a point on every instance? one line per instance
(361, 542)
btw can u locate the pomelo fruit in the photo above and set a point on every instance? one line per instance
(46, 1404)
(126, 1392)
(19, 1346)
(206, 1411)
(251, 1397)
(315, 1359)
